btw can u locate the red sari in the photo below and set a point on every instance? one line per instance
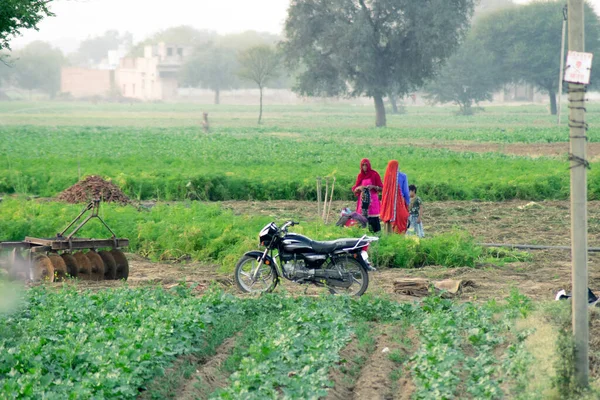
(393, 206)
(371, 177)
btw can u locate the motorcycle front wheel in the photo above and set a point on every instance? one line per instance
(250, 280)
(360, 277)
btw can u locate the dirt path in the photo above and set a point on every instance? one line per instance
(375, 381)
(209, 376)
(544, 223)
(518, 149)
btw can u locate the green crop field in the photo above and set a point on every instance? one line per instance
(175, 335)
(159, 152)
(115, 343)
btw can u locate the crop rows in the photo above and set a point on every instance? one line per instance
(209, 233)
(75, 344)
(261, 164)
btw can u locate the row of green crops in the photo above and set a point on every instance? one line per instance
(305, 340)
(210, 233)
(251, 164)
(457, 347)
(71, 345)
(65, 343)
(526, 123)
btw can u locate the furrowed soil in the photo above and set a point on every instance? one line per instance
(513, 222)
(369, 374)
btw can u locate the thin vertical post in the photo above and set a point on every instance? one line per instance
(562, 60)
(319, 196)
(325, 199)
(579, 164)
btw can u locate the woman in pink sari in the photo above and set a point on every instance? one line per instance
(368, 185)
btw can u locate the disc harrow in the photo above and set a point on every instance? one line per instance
(63, 256)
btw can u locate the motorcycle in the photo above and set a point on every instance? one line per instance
(340, 265)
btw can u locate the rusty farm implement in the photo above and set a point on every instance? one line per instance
(37, 259)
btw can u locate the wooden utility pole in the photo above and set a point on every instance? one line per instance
(562, 61)
(578, 201)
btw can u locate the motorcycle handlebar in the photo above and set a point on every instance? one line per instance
(288, 224)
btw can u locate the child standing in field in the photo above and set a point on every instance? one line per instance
(416, 212)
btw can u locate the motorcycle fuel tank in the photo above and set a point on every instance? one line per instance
(296, 243)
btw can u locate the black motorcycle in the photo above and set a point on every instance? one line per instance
(338, 265)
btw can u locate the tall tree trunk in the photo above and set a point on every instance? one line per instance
(552, 102)
(217, 96)
(379, 111)
(260, 112)
(393, 102)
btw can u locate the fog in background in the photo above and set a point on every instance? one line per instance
(77, 20)
(208, 38)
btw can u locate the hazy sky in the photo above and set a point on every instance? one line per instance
(78, 19)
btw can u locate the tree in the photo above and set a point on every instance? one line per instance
(468, 77)
(16, 15)
(247, 39)
(259, 64)
(96, 48)
(485, 7)
(525, 43)
(37, 67)
(364, 47)
(211, 67)
(181, 35)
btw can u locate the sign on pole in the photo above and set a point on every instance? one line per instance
(579, 66)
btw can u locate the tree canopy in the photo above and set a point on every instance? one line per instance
(181, 35)
(212, 67)
(96, 48)
(259, 64)
(468, 77)
(16, 15)
(524, 43)
(366, 47)
(37, 67)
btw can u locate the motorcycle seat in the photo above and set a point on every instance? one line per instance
(332, 245)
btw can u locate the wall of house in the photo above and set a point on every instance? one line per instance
(138, 78)
(84, 82)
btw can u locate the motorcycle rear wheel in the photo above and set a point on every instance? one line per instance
(359, 274)
(266, 277)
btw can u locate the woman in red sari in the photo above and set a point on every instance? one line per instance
(394, 199)
(368, 183)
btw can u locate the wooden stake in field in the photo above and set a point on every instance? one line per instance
(319, 196)
(579, 166)
(325, 200)
(330, 200)
(562, 61)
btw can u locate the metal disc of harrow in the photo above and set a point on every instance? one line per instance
(97, 272)
(71, 264)
(60, 268)
(110, 265)
(18, 267)
(84, 266)
(122, 264)
(42, 268)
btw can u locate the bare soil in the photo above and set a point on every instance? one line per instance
(533, 150)
(209, 376)
(543, 223)
(516, 222)
(366, 372)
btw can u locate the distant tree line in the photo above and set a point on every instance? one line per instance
(510, 45)
(458, 51)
